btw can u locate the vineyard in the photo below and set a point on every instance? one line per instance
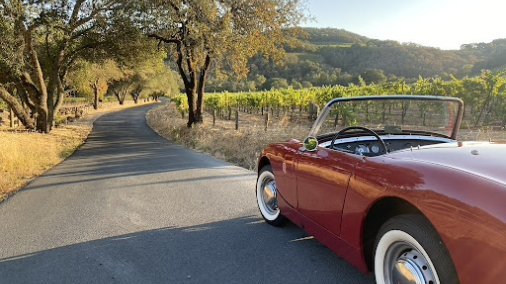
(484, 97)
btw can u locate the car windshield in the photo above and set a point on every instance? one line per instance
(425, 115)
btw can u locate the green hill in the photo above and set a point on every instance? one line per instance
(329, 56)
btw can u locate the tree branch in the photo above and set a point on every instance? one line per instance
(166, 40)
(18, 109)
(179, 61)
(75, 11)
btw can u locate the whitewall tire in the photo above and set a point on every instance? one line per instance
(267, 197)
(408, 250)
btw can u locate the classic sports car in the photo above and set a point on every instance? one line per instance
(384, 183)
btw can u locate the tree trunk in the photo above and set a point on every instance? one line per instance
(201, 89)
(192, 103)
(42, 122)
(120, 96)
(17, 108)
(135, 97)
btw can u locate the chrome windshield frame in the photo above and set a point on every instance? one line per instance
(318, 123)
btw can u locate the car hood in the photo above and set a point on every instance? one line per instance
(485, 159)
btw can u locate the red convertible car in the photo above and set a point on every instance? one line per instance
(384, 183)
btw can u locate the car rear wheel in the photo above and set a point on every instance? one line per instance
(267, 197)
(409, 250)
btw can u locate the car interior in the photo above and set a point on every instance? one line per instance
(366, 144)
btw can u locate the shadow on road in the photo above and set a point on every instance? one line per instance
(122, 145)
(244, 250)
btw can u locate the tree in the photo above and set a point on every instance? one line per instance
(224, 34)
(43, 40)
(137, 71)
(494, 85)
(164, 83)
(373, 76)
(93, 79)
(278, 83)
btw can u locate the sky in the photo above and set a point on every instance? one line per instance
(446, 24)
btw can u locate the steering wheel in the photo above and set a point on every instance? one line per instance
(344, 130)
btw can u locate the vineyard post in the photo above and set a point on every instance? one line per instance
(214, 117)
(236, 120)
(267, 121)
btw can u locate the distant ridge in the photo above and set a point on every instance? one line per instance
(331, 36)
(329, 56)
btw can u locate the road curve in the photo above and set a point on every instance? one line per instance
(131, 207)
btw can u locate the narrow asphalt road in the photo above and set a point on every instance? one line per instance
(131, 207)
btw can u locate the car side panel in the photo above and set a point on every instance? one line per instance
(282, 160)
(322, 182)
(465, 210)
(337, 245)
(470, 215)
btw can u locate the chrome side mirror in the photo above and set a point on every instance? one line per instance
(310, 144)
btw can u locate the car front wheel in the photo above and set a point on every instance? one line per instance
(409, 250)
(267, 197)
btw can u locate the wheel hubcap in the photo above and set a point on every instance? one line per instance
(270, 196)
(406, 265)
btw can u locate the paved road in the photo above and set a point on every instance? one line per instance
(130, 207)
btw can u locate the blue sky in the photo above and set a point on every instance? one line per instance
(445, 24)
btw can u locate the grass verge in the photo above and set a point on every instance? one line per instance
(240, 147)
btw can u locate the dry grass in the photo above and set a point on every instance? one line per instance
(25, 155)
(243, 147)
(483, 134)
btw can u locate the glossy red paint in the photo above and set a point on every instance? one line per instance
(322, 181)
(459, 187)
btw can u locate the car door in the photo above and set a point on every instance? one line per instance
(322, 181)
(285, 172)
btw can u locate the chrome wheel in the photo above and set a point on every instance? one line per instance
(408, 250)
(267, 197)
(270, 196)
(405, 264)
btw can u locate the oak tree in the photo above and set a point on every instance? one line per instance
(41, 40)
(223, 34)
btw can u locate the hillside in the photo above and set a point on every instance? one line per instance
(329, 56)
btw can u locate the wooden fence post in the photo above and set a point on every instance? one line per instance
(267, 121)
(214, 117)
(236, 120)
(11, 117)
